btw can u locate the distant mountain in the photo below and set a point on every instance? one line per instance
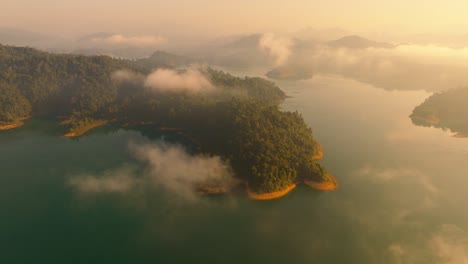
(357, 42)
(124, 52)
(166, 59)
(90, 37)
(237, 51)
(321, 34)
(245, 42)
(113, 45)
(290, 72)
(19, 37)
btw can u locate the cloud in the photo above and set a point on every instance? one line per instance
(166, 166)
(138, 41)
(450, 245)
(279, 48)
(190, 80)
(125, 76)
(120, 180)
(177, 171)
(447, 244)
(406, 67)
(398, 252)
(398, 175)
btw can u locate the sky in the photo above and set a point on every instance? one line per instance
(222, 17)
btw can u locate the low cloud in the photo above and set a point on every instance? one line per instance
(395, 175)
(166, 166)
(190, 80)
(405, 67)
(177, 171)
(278, 47)
(126, 76)
(451, 245)
(447, 244)
(138, 41)
(120, 180)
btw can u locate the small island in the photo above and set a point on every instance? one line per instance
(238, 119)
(445, 110)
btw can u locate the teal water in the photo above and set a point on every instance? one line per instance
(401, 198)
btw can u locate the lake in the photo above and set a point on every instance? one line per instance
(401, 198)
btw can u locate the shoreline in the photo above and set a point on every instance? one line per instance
(12, 125)
(15, 124)
(319, 153)
(82, 131)
(329, 185)
(270, 195)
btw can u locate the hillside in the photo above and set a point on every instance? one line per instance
(238, 119)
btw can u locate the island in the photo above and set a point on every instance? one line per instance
(445, 110)
(238, 119)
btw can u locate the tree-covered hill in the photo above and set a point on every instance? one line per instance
(447, 110)
(240, 121)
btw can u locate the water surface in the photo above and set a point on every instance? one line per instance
(401, 199)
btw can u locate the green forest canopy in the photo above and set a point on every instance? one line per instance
(268, 148)
(446, 110)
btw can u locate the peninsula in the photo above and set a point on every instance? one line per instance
(238, 119)
(446, 110)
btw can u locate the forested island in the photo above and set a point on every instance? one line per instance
(237, 118)
(446, 110)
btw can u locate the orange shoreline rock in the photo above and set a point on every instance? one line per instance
(82, 131)
(8, 126)
(15, 124)
(270, 195)
(318, 153)
(329, 185)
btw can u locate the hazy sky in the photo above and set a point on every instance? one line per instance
(222, 17)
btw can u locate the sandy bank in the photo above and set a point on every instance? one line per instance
(81, 131)
(7, 126)
(271, 195)
(328, 185)
(318, 153)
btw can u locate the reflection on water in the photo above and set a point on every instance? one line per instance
(400, 201)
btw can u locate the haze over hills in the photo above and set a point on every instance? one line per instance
(21, 37)
(358, 42)
(296, 56)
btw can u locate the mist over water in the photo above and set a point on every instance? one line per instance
(400, 196)
(354, 70)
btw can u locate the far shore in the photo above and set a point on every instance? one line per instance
(14, 124)
(271, 195)
(329, 185)
(8, 126)
(82, 131)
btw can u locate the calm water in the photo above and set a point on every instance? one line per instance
(402, 197)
